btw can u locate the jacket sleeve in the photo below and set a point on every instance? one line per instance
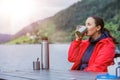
(73, 51)
(103, 59)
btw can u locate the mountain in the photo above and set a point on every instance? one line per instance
(67, 20)
(25, 30)
(78, 13)
(29, 28)
(5, 38)
(61, 26)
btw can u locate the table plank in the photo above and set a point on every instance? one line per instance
(49, 75)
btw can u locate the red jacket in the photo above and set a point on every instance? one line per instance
(102, 56)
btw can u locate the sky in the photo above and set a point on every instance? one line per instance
(16, 14)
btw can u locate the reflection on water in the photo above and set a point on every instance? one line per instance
(20, 57)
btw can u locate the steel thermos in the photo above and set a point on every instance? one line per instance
(45, 53)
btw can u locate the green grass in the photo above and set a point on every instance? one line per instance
(21, 40)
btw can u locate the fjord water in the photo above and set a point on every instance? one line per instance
(21, 57)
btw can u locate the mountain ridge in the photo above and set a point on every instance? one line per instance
(61, 26)
(5, 37)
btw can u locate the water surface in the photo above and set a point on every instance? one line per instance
(21, 57)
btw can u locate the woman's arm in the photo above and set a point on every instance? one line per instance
(74, 50)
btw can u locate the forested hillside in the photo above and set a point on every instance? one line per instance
(61, 26)
(77, 14)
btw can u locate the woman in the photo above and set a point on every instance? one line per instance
(96, 53)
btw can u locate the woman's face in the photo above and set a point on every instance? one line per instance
(91, 27)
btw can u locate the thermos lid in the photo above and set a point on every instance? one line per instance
(44, 38)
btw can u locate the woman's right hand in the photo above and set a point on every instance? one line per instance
(78, 37)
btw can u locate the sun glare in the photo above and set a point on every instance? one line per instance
(17, 10)
(16, 14)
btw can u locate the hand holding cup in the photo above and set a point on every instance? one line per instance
(80, 31)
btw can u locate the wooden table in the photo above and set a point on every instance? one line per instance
(49, 75)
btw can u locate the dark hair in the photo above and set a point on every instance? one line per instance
(99, 21)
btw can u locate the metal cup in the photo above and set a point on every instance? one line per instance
(80, 29)
(36, 64)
